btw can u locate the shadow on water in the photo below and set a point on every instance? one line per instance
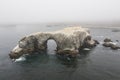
(42, 58)
(68, 62)
(85, 53)
(73, 62)
(46, 58)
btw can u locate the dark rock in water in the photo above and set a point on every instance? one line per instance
(114, 47)
(116, 30)
(107, 44)
(107, 40)
(96, 41)
(117, 40)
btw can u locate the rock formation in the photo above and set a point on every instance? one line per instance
(109, 43)
(68, 40)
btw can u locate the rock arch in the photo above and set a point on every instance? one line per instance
(46, 41)
(51, 46)
(68, 41)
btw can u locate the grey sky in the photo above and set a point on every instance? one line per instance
(26, 11)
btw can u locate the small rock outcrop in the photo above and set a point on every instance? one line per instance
(107, 40)
(109, 43)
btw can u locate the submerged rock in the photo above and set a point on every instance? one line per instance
(116, 30)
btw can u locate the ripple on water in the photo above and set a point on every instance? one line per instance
(22, 58)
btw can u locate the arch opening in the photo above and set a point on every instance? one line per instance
(51, 46)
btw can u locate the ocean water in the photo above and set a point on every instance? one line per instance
(99, 63)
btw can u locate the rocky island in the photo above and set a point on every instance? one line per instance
(69, 42)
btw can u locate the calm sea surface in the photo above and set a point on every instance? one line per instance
(97, 64)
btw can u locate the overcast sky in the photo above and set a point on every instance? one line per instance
(39, 11)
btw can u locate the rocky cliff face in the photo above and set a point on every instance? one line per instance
(69, 41)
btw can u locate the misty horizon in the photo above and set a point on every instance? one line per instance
(63, 11)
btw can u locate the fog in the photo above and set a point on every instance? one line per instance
(50, 11)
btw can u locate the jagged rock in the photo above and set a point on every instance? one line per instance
(89, 42)
(114, 47)
(107, 40)
(68, 41)
(109, 43)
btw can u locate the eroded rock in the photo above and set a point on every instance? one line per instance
(68, 40)
(107, 40)
(114, 47)
(109, 43)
